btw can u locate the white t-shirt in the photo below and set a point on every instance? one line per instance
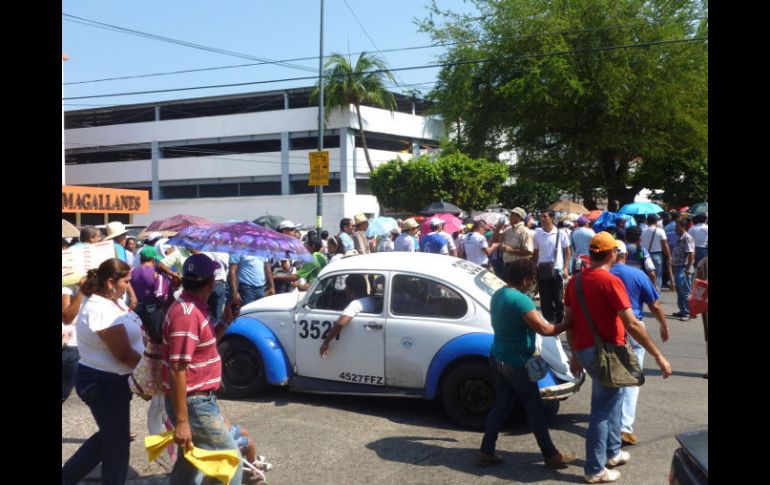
(545, 244)
(700, 232)
(96, 314)
(385, 244)
(404, 242)
(450, 243)
(647, 235)
(70, 329)
(220, 274)
(473, 242)
(365, 305)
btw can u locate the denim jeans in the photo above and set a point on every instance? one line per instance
(683, 288)
(631, 393)
(109, 398)
(208, 432)
(552, 298)
(216, 302)
(700, 253)
(250, 293)
(657, 261)
(603, 438)
(510, 385)
(69, 366)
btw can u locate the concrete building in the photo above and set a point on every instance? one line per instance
(239, 156)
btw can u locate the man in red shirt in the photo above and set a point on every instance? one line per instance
(193, 369)
(608, 304)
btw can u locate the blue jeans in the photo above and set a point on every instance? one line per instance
(683, 288)
(69, 366)
(216, 302)
(603, 438)
(631, 393)
(208, 432)
(109, 398)
(249, 293)
(700, 253)
(510, 385)
(657, 260)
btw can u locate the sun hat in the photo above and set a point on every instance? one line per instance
(410, 224)
(115, 229)
(359, 219)
(287, 224)
(519, 212)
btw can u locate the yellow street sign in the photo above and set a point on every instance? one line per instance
(319, 168)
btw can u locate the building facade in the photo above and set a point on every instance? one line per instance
(239, 157)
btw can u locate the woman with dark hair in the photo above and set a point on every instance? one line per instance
(110, 344)
(335, 247)
(515, 321)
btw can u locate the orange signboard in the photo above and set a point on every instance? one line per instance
(99, 200)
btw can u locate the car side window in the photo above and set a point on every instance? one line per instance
(422, 297)
(330, 293)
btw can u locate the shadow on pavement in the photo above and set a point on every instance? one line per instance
(519, 467)
(71, 441)
(679, 373)
(576, 424)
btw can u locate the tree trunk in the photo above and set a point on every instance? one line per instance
(588, 198)
(363, 137)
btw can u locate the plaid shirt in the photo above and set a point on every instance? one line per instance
(684, 244)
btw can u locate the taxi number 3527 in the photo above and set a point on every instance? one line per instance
(314, 329)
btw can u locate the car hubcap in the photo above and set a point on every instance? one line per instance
(477, 396)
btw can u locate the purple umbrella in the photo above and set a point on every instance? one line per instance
(241, 238)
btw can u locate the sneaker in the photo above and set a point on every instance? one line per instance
(684, 317)
(677, 314)
(560, 460)
(486, 460)
(628, 438)
(620, 459)
(603, 476)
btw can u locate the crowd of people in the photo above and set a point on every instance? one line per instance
(181, 301)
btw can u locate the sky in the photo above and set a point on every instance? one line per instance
(263, 29)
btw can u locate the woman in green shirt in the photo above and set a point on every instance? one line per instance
(515, 321)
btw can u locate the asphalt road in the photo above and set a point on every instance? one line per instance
(343, 440)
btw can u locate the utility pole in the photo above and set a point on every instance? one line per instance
(319, 190)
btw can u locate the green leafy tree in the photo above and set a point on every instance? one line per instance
(471, 184)
(595, 96)
(364, 82)
(528, 195)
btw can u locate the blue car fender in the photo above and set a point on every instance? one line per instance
(475, 344)
(277, 367)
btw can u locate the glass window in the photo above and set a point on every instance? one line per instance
(330, 294)
(421, 297)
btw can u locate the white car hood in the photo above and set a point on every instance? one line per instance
(280, 302)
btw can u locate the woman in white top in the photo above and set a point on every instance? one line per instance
(110, 344)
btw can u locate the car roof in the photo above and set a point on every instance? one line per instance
(429, 264)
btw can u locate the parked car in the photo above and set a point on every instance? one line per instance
(429, 338)
(690, 465)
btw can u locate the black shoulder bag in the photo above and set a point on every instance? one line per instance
(616, 365)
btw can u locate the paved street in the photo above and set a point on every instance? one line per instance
(340, 440)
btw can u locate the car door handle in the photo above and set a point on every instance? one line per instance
(373, 326)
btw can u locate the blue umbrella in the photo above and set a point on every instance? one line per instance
(381, 226)
(640, 208)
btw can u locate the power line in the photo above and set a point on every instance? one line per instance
(116, 28)
(369, 37)
(396, 49)
(411, 68)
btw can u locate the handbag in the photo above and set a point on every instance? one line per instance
(147, 379)
(615, 365)
(546, 271)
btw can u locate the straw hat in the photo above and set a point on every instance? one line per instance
(115, 229)
(359, 219)
(410, 224)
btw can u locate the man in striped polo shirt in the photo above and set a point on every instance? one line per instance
(192, 369)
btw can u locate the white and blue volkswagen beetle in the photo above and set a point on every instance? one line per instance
(429, 337)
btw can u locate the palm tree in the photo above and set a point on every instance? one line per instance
(345, 84)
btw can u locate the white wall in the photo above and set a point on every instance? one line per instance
(299, 208)
(402, 124)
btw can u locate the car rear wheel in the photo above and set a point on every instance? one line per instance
(468, 393)
(243, 374)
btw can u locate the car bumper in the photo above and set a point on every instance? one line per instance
(563, 390)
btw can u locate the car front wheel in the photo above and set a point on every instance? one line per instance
(243, 374)
(468, 393)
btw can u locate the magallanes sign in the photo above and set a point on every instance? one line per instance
(102, 200)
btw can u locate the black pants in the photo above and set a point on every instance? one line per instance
(69, 365)
(552, 299)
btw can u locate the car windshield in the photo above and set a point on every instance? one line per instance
(488, 282)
